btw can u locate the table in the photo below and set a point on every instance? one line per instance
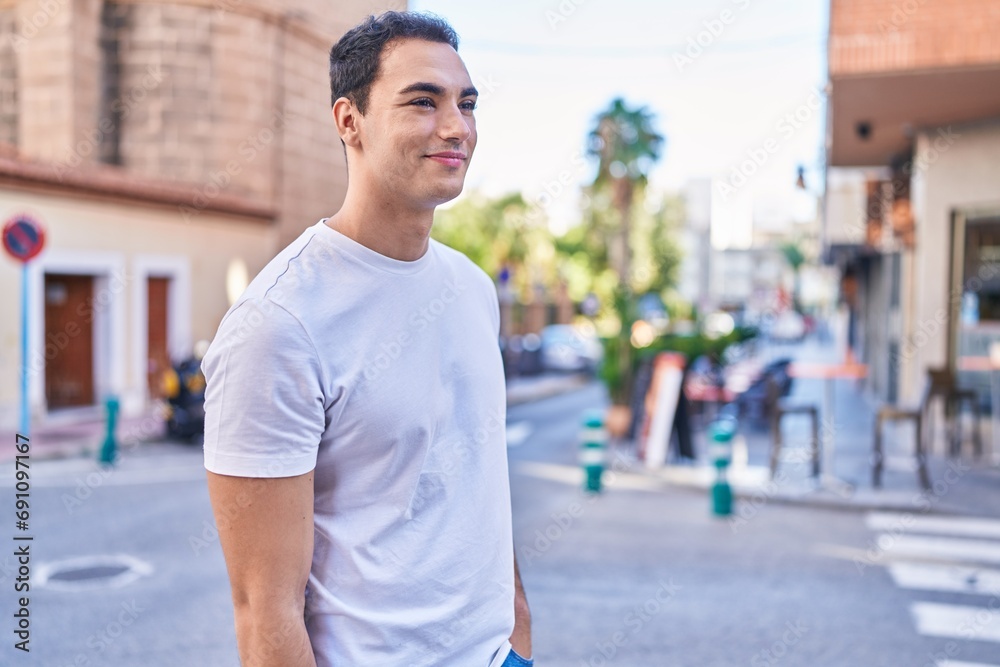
(829, 372)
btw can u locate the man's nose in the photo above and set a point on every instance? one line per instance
(454, 125)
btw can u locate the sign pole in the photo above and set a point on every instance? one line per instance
(23, 238)
(25, 419)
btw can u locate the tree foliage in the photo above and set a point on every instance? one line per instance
(495, 232)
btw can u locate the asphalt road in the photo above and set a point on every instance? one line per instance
(640, 575)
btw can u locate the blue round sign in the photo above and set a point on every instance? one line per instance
(23, 237)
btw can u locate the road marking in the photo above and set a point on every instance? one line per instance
(955, 663)
(959, 526)
(956, 621)
(954, 578)
(939, 548)
(518, 432)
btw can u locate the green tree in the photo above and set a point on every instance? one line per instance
(625, 144)
(494, 232)
(583, 249)
(656, 257)
(795, 258)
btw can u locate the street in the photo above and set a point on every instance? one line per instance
(640, 575)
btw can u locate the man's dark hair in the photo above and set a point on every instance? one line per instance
(355, 58)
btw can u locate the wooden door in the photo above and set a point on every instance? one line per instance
(158, 357)
(69, 340)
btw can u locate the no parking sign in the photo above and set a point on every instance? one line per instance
(23, 237)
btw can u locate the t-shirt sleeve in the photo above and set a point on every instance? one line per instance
(264, 399)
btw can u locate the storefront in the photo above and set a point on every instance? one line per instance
(974, 296)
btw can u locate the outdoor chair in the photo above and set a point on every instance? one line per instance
(944, 386)
(781, 407)
(897, 413)
(756, 403)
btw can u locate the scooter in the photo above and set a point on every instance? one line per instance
(184, 389)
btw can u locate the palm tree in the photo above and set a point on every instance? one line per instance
(626, 146)
(795, 258)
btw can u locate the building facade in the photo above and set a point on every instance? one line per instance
(912, 210)
(169, 149)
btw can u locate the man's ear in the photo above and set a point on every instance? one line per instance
(346, 115)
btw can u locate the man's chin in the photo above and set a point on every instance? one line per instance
(445, 194)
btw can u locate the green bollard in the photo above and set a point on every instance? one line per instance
(110, 446)
(593, 443)
(721, 452)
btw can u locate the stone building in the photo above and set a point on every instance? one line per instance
(169, 149)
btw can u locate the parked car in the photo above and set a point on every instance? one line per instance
(567, 348)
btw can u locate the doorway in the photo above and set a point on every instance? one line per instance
(69, 340)
(974, 302)
(157, 350)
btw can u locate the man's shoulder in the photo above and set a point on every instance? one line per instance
(296, 269)
(461, 263)
(261, 320)
(280, 285)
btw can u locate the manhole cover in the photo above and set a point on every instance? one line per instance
(89, 572)
(83, 573)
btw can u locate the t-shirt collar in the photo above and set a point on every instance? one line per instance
(366, 255)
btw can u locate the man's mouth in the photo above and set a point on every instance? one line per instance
(449, 158)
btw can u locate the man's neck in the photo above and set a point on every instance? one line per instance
(394, 231)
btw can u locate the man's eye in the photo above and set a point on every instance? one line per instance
(424, 102)
(469, 106)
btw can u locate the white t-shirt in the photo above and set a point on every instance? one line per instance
(386, 377)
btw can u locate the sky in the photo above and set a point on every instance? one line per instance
(735, 87)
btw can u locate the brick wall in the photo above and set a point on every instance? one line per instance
(8, 78)
(881, 35)
(231, 95)
(173, 127)
(44, 48)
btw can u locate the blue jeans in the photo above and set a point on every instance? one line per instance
(514, 660)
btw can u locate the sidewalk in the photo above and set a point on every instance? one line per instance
(959, 486)
(534, 388)
(81, 432)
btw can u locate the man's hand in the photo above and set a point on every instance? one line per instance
(266, 531)
(520, 639)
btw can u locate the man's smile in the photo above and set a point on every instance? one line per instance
(449, 158)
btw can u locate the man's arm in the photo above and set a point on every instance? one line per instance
(520, 639)
(266, 531)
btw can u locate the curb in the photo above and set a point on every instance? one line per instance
(805, 497)
(76, 449)
(547, 389)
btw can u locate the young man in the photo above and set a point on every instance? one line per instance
(355, 406)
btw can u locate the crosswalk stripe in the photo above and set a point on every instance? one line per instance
(517, 433)
(939, 548)
(958, 526)
(955, 663)
(950, 578)
(956, 621)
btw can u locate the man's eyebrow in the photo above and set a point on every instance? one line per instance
(434, 89)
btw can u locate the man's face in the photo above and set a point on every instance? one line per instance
(419, 133)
